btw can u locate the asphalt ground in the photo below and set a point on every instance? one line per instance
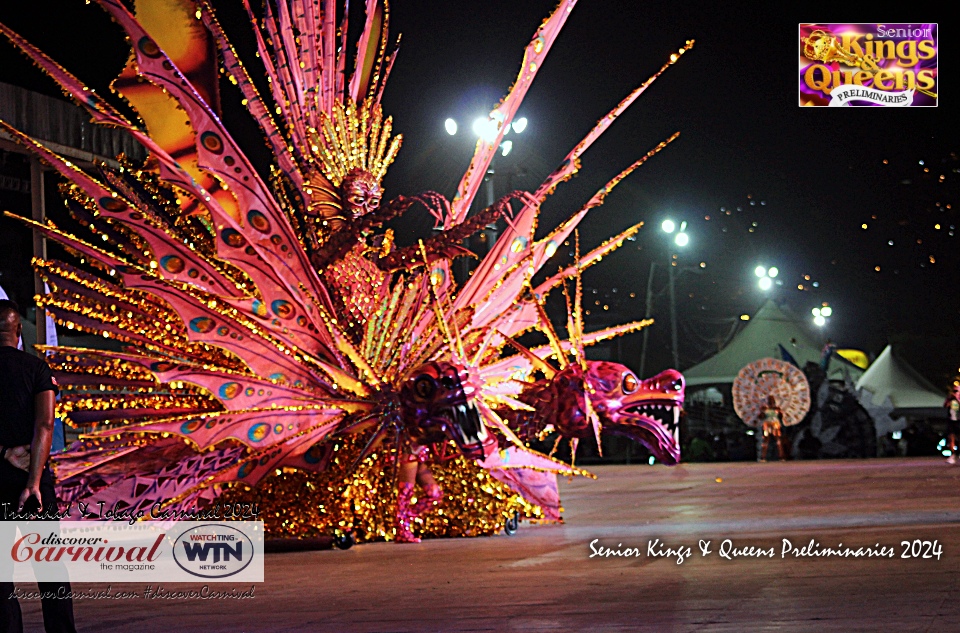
(696, 547)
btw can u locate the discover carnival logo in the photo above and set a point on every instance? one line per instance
(215, 550)
(868, 65)
(114, 551)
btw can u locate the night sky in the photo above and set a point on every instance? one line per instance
(758, 179)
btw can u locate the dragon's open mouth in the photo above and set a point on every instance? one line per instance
(654, 424)
(666, 414)
(464, 425)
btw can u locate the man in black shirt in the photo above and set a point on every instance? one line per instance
(27, 396)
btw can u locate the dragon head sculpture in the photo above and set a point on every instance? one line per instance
(647, 411)
(436, 404)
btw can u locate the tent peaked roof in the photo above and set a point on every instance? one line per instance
(890, 376)
(770, 328)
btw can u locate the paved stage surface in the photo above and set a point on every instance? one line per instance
(543, 578)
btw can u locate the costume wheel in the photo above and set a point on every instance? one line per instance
(344, 541)
(767, 377)
(511, 526)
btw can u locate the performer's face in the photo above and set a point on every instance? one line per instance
(361, 194)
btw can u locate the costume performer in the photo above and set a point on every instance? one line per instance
(276, 340)
(27, 393)
(771, 425)
(768, 395)
(952, 403)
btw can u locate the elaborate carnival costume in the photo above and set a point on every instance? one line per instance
(771, 423)
(952, 404)
(276, 344)
(768, 395)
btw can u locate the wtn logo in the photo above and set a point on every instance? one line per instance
(220, 550)
(213, 550)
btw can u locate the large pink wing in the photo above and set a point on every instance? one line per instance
(533, 57)
(261, 222)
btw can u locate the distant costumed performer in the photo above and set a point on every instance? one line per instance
(952, 405)
(769, 394)
(276, 341)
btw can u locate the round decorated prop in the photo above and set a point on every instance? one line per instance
(766, 377)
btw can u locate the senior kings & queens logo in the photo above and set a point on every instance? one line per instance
(868, 65)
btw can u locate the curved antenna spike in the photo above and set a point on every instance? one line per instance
(341, 87)
(575, 312)
(484, 346)
(454, 341)
(578, 299)
(84, 96)
(571, 164)
(360, 424)
(371, 49)
(592, 416)
(561, 233)
(588, 260)
(397, 438)
(556, 444)
(345, 352)
(551, 333)
(570, 326)
(371, 444)
(376, 92)
(536, 361)
(494, 421)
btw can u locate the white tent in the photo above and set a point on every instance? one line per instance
(908, 391)
(770, 328)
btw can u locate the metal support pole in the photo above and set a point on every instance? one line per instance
(489, 182)
(461, 268)
(646, 315)
(673, 320)
(482, 242)
(39, 214)
(490, 231)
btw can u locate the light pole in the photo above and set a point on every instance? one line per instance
(681, 239)
(486, 128)
(646, 315)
